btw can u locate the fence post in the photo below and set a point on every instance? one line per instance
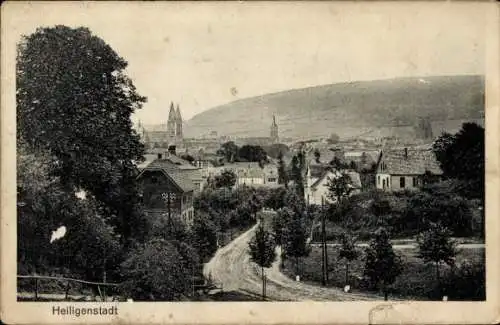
(67, 290)
(36, 289)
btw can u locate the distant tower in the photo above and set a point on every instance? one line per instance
(172, 124)
(274, 131)
(178, 127)
(141, 131)
(423, 129)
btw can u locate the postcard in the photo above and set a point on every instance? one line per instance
(250, 162)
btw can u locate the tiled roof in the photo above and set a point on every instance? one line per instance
(417, 162)
(250, 173)
(355, 179)
(182, 178)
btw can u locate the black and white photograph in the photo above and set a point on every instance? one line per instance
(260, 152)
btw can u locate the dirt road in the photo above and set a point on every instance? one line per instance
(232, 267)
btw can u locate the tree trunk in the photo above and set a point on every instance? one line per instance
(384, 288)
(438, 277)
(347, 273)
(296, 265)
(263, 288)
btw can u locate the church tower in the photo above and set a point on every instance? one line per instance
(178, 127)
(274, 131)
(171, 124)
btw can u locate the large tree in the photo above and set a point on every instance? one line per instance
(294, 235)
(203, 236)
(75, 101)
(89, 247)
(229, 150)
(282, 173)
(348, 252)
(262, 252)
(159, 270)
(435, 245)
(339, 187)
(382, 265)
(298, 165)
(461, 156)
(252, 153)
(226, 179)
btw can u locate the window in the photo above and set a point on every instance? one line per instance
(415, 182)
(402, 182)
(383, 183)
(378, 180)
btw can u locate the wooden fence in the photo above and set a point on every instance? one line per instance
(101, 286)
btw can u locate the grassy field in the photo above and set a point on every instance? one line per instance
(415, 283)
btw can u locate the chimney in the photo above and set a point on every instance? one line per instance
(160, 156)
(171, 150)
(406, 153)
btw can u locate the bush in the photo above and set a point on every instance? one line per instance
(466, 283)
(158, 271)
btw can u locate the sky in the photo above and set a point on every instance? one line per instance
(200, 55)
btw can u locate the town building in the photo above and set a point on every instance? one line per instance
(250, 173)
(316, 191)
(174, 124)
(167, 191)
(404, 168)
(163, 135)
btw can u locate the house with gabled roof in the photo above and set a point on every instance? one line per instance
(405, 168)
(167, 190)
(316, 190)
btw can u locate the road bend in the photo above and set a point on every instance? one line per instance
(232, 267)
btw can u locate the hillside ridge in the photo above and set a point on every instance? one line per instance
(340, 107)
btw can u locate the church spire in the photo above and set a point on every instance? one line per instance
(274, 130)
(178, 114)
(171, 113)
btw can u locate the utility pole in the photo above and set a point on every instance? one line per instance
(168, 196)
(323, 243)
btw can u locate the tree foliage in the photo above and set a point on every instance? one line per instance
(230, 151)
(261, 247)
(382, 265)
(203, 235)
(298, 166)
(461, 156)
(282, 172)
(435, 245)
(90, 246)
(348, 252)
(294, 234)
(159, 270)
(443, 207)
(226, 179)
(317, 156)
(276, 149)
(252, 153)
(339, 186)
(75, 101)
(262, 251)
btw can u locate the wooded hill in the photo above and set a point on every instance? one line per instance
(374, 108)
